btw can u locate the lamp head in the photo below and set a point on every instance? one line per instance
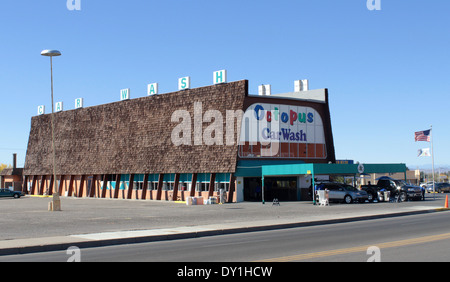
(51, 53)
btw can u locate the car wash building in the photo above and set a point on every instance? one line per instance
(193, 142)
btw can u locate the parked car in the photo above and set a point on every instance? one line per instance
(339, 192)
(439, 188)
(9, 193)
(396, 187)
(426, 185)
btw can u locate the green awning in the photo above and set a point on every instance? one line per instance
(253, 168)
(299, 169)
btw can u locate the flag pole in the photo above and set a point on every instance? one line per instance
(432, 161)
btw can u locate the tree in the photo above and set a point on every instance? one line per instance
(3, 166)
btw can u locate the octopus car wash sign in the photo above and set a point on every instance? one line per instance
(291, 132)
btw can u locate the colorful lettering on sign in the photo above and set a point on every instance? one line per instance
(152, 89)
(284, 135)
(184, 83)
(125, 94)
(59, 107)
(78, 103)
(220, 77)
(41, 110)
(285, 117)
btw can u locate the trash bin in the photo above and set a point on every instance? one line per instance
(384, 195)
(323, 197)
(222, 196)
(380, 196)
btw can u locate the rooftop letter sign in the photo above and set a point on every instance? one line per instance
(220, 77)
(184, 83)
(125, 94)
(78, 103)
(152, 89)
(301, 85)
(264, 90)
(59, 107)
(41, 110)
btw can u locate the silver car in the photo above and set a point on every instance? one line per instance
(344, 193)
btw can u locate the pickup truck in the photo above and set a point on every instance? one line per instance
(396, 187)
(8, 193)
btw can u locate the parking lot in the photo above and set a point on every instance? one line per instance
(28, 217)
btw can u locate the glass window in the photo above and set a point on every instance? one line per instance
(222, 185)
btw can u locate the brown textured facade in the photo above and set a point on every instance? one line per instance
(134, 136)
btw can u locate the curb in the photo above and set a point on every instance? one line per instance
(197, 234)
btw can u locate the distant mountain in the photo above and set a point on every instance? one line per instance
(428, 167)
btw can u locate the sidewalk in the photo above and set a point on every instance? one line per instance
(27, 226)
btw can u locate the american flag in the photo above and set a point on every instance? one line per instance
(423, 135)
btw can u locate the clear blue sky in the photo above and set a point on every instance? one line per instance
(387, 71)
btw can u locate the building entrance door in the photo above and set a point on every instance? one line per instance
(281, 188)
(252, 189)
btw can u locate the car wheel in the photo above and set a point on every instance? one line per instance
(403, 197)
(16, 196)
(348, 199)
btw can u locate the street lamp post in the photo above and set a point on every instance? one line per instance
(51, 54)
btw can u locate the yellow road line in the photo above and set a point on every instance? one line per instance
(393, 244)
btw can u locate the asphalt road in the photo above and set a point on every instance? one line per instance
(408, 238)
(28, 217)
